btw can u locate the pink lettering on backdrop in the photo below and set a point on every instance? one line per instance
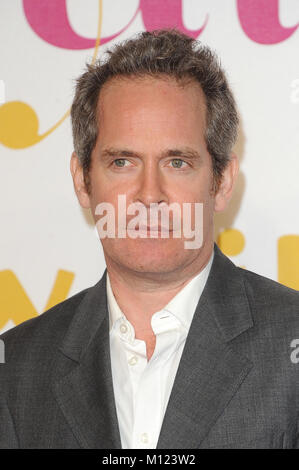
(260, 21)
(164, 14)
(49, 20)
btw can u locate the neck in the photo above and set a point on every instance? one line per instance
(140, 295)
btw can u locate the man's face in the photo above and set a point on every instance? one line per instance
(151, 148)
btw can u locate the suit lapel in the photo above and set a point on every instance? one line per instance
(210, 371)
(85, 390)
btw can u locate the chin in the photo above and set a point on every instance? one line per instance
(148, 255)
(152, 268)
(152, 261)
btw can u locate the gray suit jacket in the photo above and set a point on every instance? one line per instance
(236, 386)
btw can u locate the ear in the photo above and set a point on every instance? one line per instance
(227, 184)
(78, 180)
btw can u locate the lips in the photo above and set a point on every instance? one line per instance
(154, 228)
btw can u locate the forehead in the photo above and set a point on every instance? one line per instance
(129, 100)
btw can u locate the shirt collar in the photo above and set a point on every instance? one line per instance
(182, 305)
(114, 311)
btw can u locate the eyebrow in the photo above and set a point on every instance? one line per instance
(186, 152)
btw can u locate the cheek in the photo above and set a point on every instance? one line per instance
(101, 188)
(107, 186)
(196, 188)
(193, 193)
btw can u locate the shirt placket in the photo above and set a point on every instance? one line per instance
(150, 389)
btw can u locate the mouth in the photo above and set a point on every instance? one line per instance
(153, 228)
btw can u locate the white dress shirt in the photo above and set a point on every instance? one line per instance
(141, 387)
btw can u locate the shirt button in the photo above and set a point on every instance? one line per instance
(123, 328)
(133, 360)
(144, 438)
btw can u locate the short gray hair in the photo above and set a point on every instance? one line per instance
(158, 53)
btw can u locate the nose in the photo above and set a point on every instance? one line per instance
(151, 187)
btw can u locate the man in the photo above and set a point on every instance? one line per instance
(173, 347)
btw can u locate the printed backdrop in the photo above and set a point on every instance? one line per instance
(49, 247)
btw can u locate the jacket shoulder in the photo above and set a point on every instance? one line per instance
(270, 299)
(47, 328)
(265, 284)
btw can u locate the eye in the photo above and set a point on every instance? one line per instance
(178, 162)
(119, 162)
